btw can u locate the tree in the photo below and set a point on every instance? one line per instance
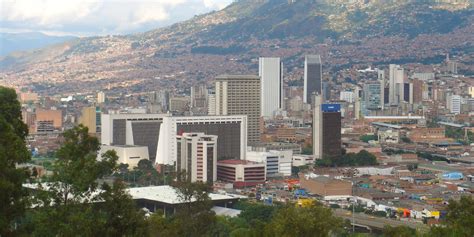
(304, 221)
(13, 151)
(458, 220)
(73, 202)
(399, 231)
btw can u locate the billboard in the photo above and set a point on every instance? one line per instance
(331, 107)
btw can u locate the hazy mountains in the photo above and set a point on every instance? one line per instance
(11, 42)
(345, 32)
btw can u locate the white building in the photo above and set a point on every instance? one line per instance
(128, 154)
(197, 155)
(347, 96)
(211, 104)
(276, 162)
(300, 160)
(396, 79)
(455, 104)
(270, 72)
(158, 132)
(100, 97)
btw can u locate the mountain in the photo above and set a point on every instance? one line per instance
(11, 42)
(344, 32)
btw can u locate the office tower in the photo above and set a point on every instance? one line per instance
(326, 91)
(48, 120)
(271, 79)
(424, 76)
(199, 96)
(211, 104)
(347, 96)
(158, 133)
(357, 103)
(470, 91)
(100, 97)
(372, 96)
(396, 77)
(179, 104)
(417, 91)
(326, 129)
(313, 76)
(90, 118)
(197, 156)
(240, 95)
(381, 79)
(455, 104)
(452, 67)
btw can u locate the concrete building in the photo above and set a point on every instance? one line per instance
(455, 104)
(240, 95)
(158, 133)
(128, 154)
(48, 120)
(325, 186)
(347, 96)
(373, 96)
(90, 118)
(396, 78)
(179, 104)
(197, 156)
(100, 97)
(241, 173)
(326, 129)
(277, 164)
(199, 96)
(271, 74)
(28, 97)
(470, 91)
(211, 104)
(313, 76)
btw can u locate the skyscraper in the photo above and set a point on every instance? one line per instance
(381, 79)
(372, 96)
(270, 72)
(313, 75)
(240, 95)
(197, 156)
(326, 129)
(396, 77)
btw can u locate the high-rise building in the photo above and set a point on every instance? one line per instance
(452, 67)
(455, 104)
(48, 120)
(326, 129)
(381, 79)
(158, 133)
(240, 95)
(199, 96)
(197, 156)
(417, 91)
(347, 96)
(470, 91)
(313, 76)
(90, 118)
(372, 96)
(271, 75)
(211, 104)
(396, 78)
(100, 97)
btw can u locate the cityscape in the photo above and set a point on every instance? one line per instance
(263, 118)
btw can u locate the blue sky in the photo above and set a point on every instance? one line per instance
(98, 17)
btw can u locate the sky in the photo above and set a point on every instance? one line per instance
(98, 17)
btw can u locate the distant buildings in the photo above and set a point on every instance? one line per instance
(396, 80)
(372, 96)
(313, 76)
(90, 118)
(326, 129)
(197, 156)
(100, 97)
(271, 75)
(240, 95)
(48, 120)
(277, 163)
(128, 154)
(241, 173)
(347, 96)
(454, 104)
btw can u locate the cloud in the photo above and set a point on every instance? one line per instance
(100, 16)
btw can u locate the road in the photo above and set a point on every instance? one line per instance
(375, 222)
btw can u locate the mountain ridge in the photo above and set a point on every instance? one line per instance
(247, 29)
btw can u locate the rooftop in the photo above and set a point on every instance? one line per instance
(237, 77)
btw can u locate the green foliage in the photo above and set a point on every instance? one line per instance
(297, 169)
(406, 140)
(73, 202)
(459, 219)
(310, 221)
(399, 231)
(12, 152)
(458, 134)
(307, 150)
(367, 138)
(363, 158)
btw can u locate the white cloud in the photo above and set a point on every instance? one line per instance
(100, 16)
